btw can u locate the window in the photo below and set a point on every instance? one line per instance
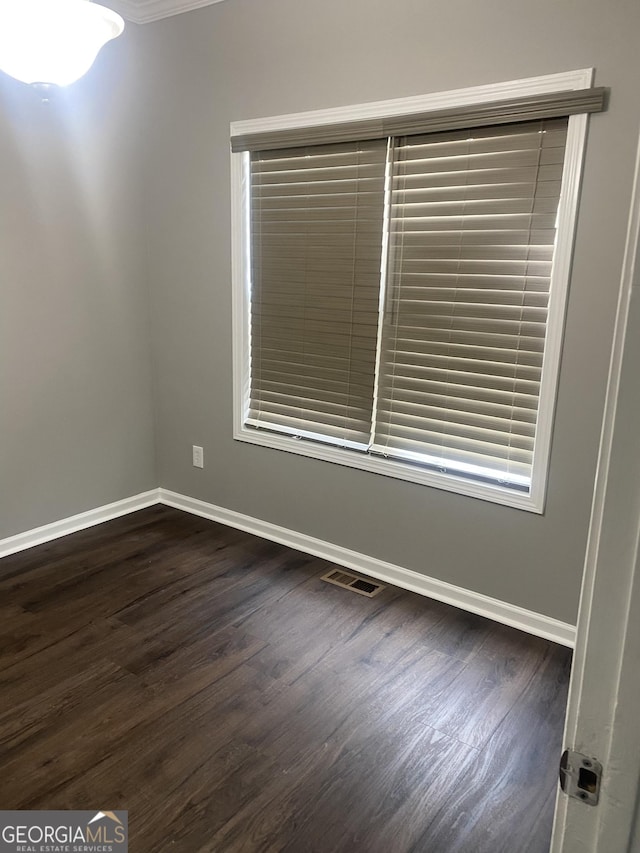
(401, 284)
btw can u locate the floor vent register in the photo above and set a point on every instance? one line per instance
(363, 586)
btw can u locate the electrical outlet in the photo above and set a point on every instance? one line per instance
(198, 457)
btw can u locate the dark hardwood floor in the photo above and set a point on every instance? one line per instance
(211, 684)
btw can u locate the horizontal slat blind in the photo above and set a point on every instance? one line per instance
(472, 233)
(316, 238)
(504, 111)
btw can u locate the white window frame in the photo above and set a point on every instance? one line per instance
(567, 216)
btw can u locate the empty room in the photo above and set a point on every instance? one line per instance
(319, 426)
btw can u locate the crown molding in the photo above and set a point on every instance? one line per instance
(146, 11)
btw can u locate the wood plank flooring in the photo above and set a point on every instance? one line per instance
(211, 684)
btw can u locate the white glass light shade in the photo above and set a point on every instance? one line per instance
(53, 41)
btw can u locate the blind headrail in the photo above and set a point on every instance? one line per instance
(529, 108)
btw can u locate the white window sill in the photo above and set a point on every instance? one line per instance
(392, 468)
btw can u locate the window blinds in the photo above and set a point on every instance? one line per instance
(316, 237)
(437, 358)
(472, 233)
(505, 111)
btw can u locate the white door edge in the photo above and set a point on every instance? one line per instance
(604, 694)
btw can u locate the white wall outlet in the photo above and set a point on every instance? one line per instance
(198, 457)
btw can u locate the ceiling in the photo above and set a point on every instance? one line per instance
(145, 11)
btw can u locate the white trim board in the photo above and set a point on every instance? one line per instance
(581, 78)
(49, 532)
(604, 690)
(474, 602)
(147, 11)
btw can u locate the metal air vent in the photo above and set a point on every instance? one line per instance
(363, 586)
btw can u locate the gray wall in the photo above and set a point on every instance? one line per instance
(249, 58)
(76, 421)
(141, 145)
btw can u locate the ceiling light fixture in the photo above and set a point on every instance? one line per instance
(53, 42)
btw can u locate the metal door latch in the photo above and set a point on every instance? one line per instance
(580, 776)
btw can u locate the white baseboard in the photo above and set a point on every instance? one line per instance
(492, 608)
(474, 602)
(56, 529)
